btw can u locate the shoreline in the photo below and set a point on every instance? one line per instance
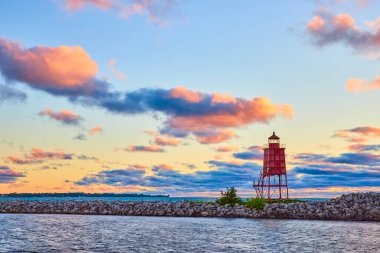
(350, 207)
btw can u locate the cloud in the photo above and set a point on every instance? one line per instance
(212, 137)
(96, 130)
(326, 29)
(167, 141)
(8, 93)
(85, 157)
(66, 117)
(364, 158)
(64, 70)
(80, 137)
(362, 85)
(309, 157)
(74, 5)
(7, 175)
(162, 166)
(361, 147)
(118, 177)
(197, 113)
(157, 11)
(226, 149)
(37, 155)
(151, 148)
(170, 180)
(69, 71)
(248, 155)
(314, 175)
(358, 134)
(356, 158)
(120, 75)
(253, 153)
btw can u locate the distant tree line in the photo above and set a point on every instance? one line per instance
(79, 194)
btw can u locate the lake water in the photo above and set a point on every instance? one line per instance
(68, 233)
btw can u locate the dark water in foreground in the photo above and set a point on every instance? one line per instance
(67, 233)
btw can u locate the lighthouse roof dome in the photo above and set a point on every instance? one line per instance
(274, 137)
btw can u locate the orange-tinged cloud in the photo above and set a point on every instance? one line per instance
(222, 98)
(245, 112)
(315, 24)
(164, 166)
(344, 21)
(67, 66)
(358, 134)
(362, 85)
(17, 160)
(61, 70)
(96, 130)
(226, 149)
(185, 94)
(167, 141)
(65, 116)
(38, 153)
(215, 137)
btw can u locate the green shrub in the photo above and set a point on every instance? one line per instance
(255, 203)
(229, 197)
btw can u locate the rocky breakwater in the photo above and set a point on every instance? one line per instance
(355, 206)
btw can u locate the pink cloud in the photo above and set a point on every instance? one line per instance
(38, 153)
(226, 149)
(139, 166)
(215, 136)
(362, 85)
(222, 98)
(120, 75)
(96, 130)
(358, 134)
(164, 166)
(315, 24)
(157, 11)
(61, 70)
(65, 116)
(151, 148)
(243, 113)
(185, 94)
(73, 5)
(17, 160)
(326, 29)
(167, 141)
(7, 175)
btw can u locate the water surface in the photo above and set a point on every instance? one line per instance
(66, 233)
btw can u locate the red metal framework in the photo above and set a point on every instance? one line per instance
(272, 182)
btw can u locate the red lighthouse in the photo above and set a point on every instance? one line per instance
(272, 182)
